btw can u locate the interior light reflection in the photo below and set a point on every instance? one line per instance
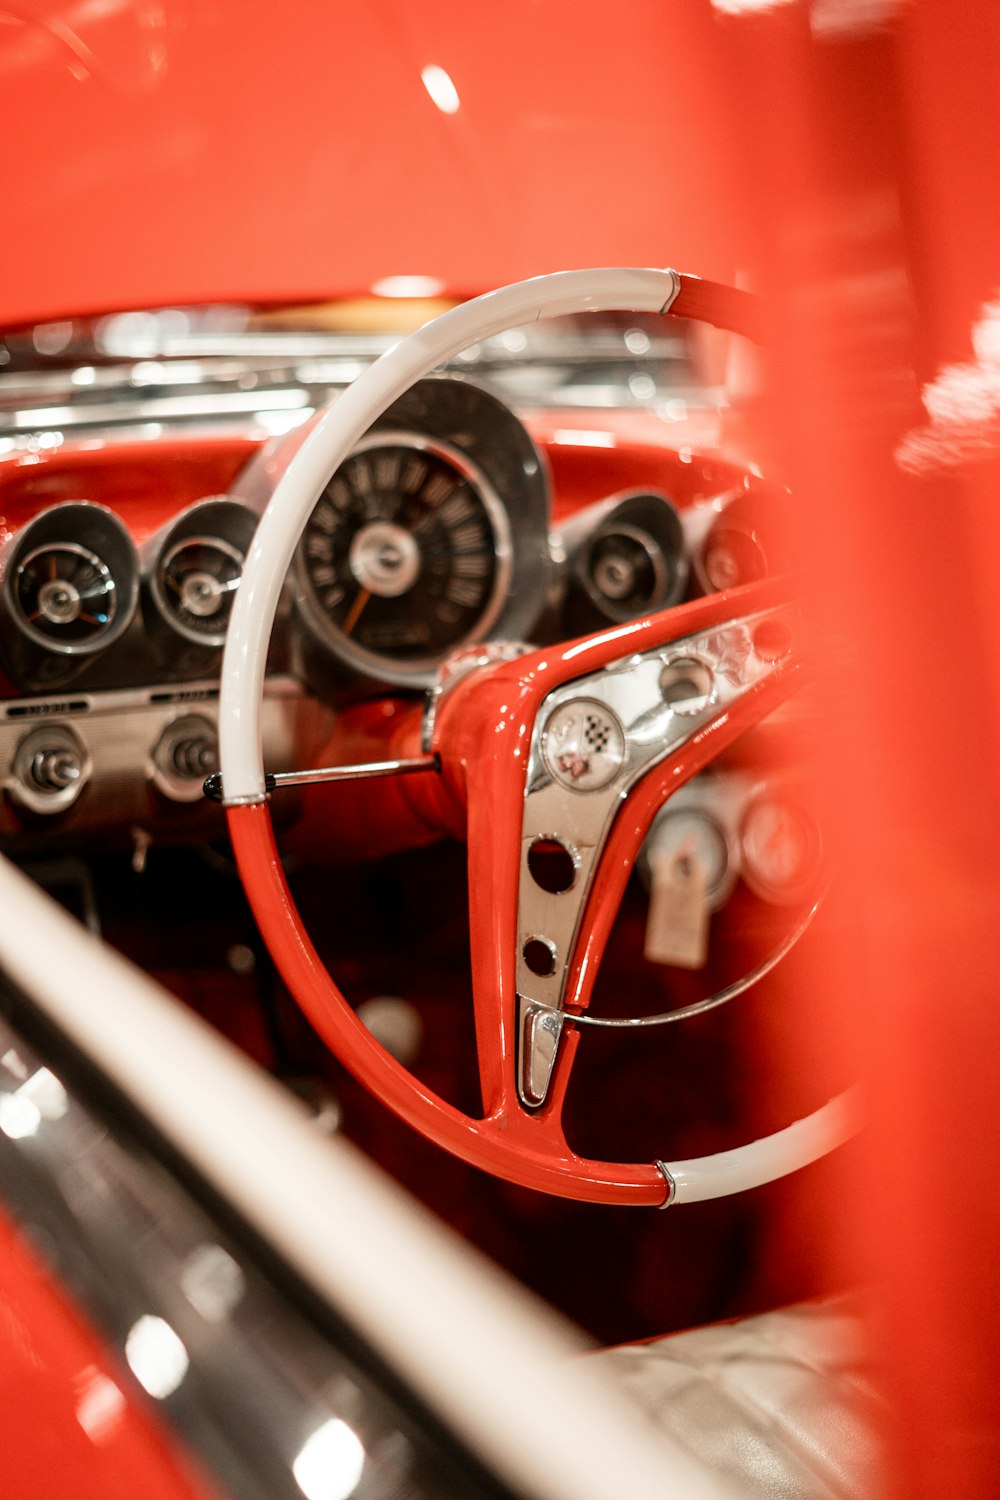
(156, 1356)
(14, 1063)
(827, 18)
(674, 410)
(100, 1405)
(408, 286)
(279, 422)
(514, 340)
(442, 91)
(329, 1464)
(134, 334)
(573, 437)
(962, 404)
(591, 641)
(746, 7)
(19, 1117)
(46, 1094)
(52, 338)
(839, 18)
(44, 416)
(212, 1282)
(40, 1097)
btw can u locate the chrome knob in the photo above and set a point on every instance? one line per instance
(51, 766)
(195, 757)
(186, 752)
(54, 770)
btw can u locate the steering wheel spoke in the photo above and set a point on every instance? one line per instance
(566, 742)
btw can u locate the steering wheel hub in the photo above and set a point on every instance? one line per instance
(385, 559)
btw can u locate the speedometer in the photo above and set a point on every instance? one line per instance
(407, 553)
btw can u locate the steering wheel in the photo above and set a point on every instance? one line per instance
(555, 762)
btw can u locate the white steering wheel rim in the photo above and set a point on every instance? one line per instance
(306, 460)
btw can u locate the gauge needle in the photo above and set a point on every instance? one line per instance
(361, 599)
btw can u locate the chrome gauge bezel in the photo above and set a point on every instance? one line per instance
(781, 889)
(648, 544)
(215, 522)
(89, 558)
(88, 531)
(384, 666)
(463, 416)
(649, 520)
(711, 828)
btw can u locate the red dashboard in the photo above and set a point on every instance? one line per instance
(121, 551)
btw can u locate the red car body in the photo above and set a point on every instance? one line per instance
(836, 156)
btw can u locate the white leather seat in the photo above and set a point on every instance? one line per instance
(784, 1405)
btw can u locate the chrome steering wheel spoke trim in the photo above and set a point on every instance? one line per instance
(593, 740)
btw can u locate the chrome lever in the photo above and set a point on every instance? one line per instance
(275, 780)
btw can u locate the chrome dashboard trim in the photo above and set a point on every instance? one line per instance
(220, 404)
(120, 733)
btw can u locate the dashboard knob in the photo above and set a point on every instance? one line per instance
(50, 768)
(186, 752)
(195, 757)
(54, 770)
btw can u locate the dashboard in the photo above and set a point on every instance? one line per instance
(457, 520)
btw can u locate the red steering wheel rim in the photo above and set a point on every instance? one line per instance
(521, 1146)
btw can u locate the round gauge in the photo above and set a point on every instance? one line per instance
(406, 555)
(626, 569)
(731, 557)
(193, 570)
(66, 595)
(626, 558)
(68, 590)
(688, 831)
(781, 848)
(748, 540)
(198, 578)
